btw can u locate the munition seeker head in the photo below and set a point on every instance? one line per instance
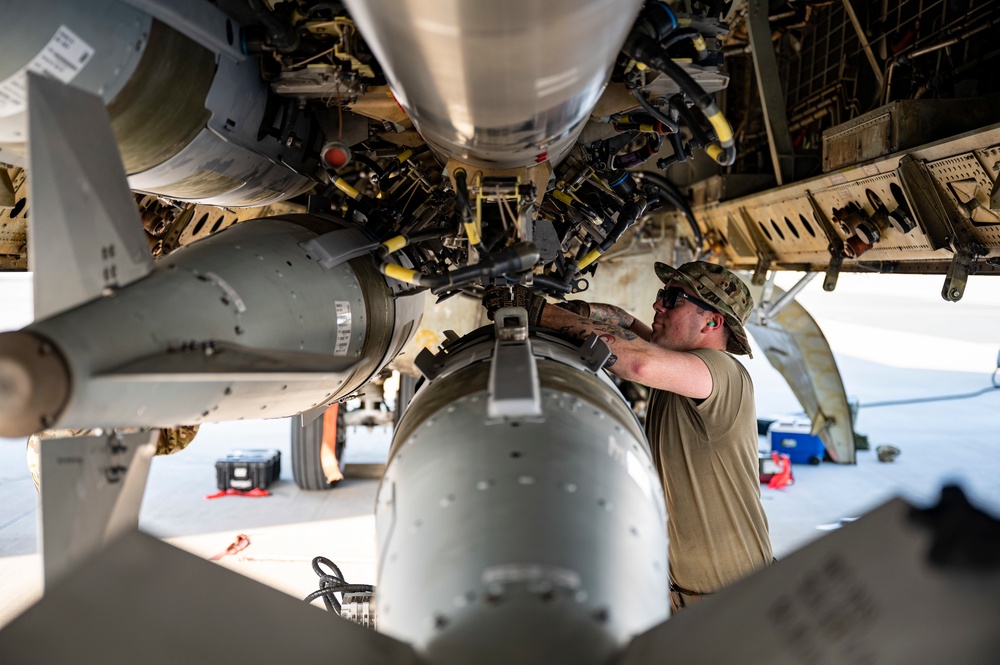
(34, 384)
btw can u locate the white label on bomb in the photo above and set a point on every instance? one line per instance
(343, 328)
(62, 59)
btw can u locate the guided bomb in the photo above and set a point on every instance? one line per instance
(518, 478)
(246, 323)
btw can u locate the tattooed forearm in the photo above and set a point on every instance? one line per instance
(611, 314)
(613, 330)
(612, 359)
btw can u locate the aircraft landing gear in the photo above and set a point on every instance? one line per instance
(318, 450)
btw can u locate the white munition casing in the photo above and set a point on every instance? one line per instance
(497, 84)
(530, 540)
(250, 285)
(187, 120)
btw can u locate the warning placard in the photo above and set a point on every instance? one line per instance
(343, 328)
(62, 58)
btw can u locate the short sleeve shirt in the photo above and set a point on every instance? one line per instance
(706, 454)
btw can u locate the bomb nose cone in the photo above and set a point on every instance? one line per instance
(34, 384)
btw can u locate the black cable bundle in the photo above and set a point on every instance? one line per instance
(332, 583)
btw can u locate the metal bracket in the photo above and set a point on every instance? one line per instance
(428, 364)
(942, 230)
(91, 492)
(594, 352)
(775, 308)
(928, 208)
(767, 310)
(962, 264)
(836, 247)
(760, 271)
(332, 249)
(764, 255)
(514, 388)
(833, 269)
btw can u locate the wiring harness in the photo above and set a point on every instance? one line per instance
(357, 600)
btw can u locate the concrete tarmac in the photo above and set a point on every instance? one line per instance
(893, 338)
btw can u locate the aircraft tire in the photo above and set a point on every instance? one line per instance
(307, 452)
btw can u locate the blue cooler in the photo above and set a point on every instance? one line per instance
(792, 438)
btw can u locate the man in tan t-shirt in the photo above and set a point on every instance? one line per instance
(700, 420)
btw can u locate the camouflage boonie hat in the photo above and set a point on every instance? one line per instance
(722, 290)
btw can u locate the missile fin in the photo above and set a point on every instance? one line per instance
(223, 361)
(85, 236)
(91, 491)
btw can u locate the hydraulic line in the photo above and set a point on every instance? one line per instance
(677, 103)
(397, 163)
(681, 153)
(469, 221)
(551, 284)
(514, 259)
(641, 155)
(644, 50)
(670, 192)
(623, 185)
(370, 163)
(677, 36)
(347, 188)
(653, 111)
(284, 37)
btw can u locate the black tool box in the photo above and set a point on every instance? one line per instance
(248, 469)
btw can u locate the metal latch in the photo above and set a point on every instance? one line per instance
(514, 389)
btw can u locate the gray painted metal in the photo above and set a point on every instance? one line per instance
(116, 33)
(768, 310)
(142, 600)
(201, 21)
(333, 248)
(765, 65)
(513, 383)
(529, 541)
(867, 592)
(226, 164)
(91, 491)
(86, 237)
(251, 286)
(450, 66)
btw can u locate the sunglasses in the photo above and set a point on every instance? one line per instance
(668, 298)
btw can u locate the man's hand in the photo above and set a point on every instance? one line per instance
(496, 297)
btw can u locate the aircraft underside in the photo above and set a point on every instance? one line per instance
(256, 209)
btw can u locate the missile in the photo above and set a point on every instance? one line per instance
(244, 324)
(269, 318)
(517, 479)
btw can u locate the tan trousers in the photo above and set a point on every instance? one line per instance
(680, 599)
